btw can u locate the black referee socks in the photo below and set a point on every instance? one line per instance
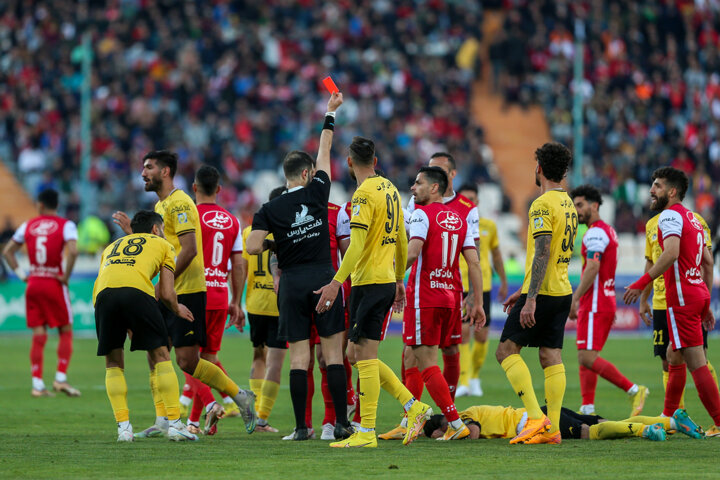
(298, 393)
(337, 385)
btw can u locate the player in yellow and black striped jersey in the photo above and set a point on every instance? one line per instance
(539, 310)
(376, 258)
(657, 316)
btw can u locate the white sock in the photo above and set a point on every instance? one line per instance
(228, 400)
(633, 390)
(403, 422)
(456, 424)
(177, 423)
(187, 401)
(38, 384)
(124, 425)
(409, 404)
(367, 430)
(194, 424)
(60, 377)
(209, 407)
(161, 421)
(673, 424)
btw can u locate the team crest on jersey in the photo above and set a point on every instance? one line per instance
(182, 217)
(302, 217)
(693, 219)
(356, 210)
(538, 223)
(217, 219)
(449, 220)
(44, 228)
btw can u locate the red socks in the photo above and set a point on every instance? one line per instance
(677, 376)
(588, 383)
(196, 411)
(610, 373)
(451, 372)
(64, 351)
(439, 391)
(327, 398)
(414, 382)
(308, 401)
(36, 354)
(707, 391)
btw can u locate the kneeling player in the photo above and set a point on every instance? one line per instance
(124, 300)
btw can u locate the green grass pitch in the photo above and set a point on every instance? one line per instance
(76, 437)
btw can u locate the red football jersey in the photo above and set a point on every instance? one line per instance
(683, 280)
(432, 277)
(600, 241)
(220, 237)
(342, 232)
(45, 237)
(333, 211)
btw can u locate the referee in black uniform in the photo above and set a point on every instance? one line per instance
(298, 220)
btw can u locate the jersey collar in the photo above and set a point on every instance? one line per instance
(294, 189)
(450, 198)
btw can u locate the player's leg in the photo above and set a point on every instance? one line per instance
(116, 389)
(62, 316)
(451, 354)
(276, 350)
(328, 422)
(411, 329)
(586, 357)
(215, 326)
(258, 336)
(661, 341)
(39, 339)
(332, 347)
(299, 361)
(463, 388)
(705, 384)
(480, 349)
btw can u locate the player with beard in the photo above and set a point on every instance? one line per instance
(182, 229)
(686, 265)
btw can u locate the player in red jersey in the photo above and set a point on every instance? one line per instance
(437, 236)
(46, 298)
(686, 266)
(593, 303)
(222, 247)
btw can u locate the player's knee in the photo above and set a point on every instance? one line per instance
(550, 357)
(187, 363)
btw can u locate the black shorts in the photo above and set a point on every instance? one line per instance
(264, 331)
(118, 310)
(551, 314)
(182, 332)
(661, 335)
(486, 308)
(369, 307)
(571, 422)
(297, 302)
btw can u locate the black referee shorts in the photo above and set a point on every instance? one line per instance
(551, 314)
(118, 310)
(661, 334)
(182, 332)
(264, 331)
(297, 302)
(369, 307)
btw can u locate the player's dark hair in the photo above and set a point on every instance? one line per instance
(49, 198)
(432, 424)
(590, 193)
(276, 192)
(674, 178)
(295, 162)
(144, 220)
(554, 158)
(207, 179)
(362, 151)
(451, 159)
(436, 175)
(165, 158)
(468, 186)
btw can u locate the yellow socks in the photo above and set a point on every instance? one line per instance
(256, 385)
(392, 384)
(211, 375)
(369, 375)
(610, 430)
(479, 353)
(519, 376)
(464, 349)
(157, 398)
(665, 421)
(267, 398)
(712, 372)
(554, 393)
(116, 388)
(168, 388)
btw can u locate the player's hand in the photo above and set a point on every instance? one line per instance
(336, 99)
(477, 317)
(631, 294)
(184, 312)
(573, 310)
(399, 302)
(646, 313)
(276, 283)
(709, 321)
(237, 317)
(328, 294)
(467, 306)
(502, 291)
(527, 314)
(123, 221)
(510, 301)
(64, 279)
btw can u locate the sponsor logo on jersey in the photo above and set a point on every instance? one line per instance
(182, 217)
(356, 210)
(302, 217)
(538, 223)
(609, 287)
(449, 220)
(217, 219)
(44, 227)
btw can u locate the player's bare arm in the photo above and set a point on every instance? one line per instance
(592, 268)
(169, 297)
(401, 252)
(343, 245)
(238, 274)
(510, 301)
(275, 272)
(537, 275)
(667, 258)
(326, 136)
(499, 267)
(645, 310)
(476, 313)
(707, 273)
(255, 243)
(71, 254)
(414, 249)
(9, 253)
(122, 220)
(188, 251)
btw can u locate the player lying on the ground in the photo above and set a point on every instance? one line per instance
(487, 421)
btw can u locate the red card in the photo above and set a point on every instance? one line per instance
(330, 85)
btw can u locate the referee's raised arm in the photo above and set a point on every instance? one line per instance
(326, 137)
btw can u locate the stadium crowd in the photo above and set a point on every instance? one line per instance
(229, 83)
(651, 90)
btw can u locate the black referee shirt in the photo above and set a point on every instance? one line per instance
(298, 220)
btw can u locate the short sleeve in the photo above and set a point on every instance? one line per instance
(70, 231)
(362, 210)
(419, 225)
(19, 235)
(169, 260)
(181, 218)
(343, 223)
(260, 220)
(596, 240)
(540, 219)
(648, 241)
(473, 223)
(319, 188)
(706, 229)
(238, 244)
(492, 232)
(469, 242)
(244, 237)
(670, 223)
